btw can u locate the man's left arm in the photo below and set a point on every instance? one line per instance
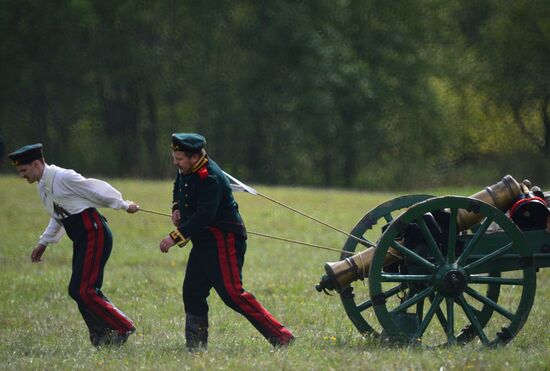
(208, 201)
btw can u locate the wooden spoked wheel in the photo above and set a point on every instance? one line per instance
(462, 284)
(355, 297)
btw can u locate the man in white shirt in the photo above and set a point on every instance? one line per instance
(72, 201)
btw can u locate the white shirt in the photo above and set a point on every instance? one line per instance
(67, 190)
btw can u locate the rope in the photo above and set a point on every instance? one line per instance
(154, 212)
(298, 242)
(265, 235)
(362, 241)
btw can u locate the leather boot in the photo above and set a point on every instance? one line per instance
(196, 331)
(285, 339)
(98, 336)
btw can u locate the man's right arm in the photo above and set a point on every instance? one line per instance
(175, 211)
(37, 252)
(52, 234)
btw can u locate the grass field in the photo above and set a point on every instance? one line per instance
(40, 327)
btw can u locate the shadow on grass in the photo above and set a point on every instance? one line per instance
(369, 343)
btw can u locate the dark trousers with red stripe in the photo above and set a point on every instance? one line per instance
(216, 261)
(92, 244)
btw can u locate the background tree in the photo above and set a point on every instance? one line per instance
(352, 93)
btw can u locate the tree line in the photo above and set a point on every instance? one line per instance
(359, 94)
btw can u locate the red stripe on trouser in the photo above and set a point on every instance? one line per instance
(92, 261)
(233, 285)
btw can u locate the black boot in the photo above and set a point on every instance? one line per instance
(118, 338)
(97, 338)
(98, 335)
(196, 331)
(110, 337)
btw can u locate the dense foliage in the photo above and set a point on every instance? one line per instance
(327, 93)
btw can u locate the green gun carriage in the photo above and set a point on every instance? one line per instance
(445, 270)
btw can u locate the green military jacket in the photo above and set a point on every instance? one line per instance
(204, 199)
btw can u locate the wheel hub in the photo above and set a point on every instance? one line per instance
(451, 281)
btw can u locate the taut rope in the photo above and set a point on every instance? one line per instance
(265, 235)
(362, 241)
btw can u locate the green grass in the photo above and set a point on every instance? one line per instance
(40, 327)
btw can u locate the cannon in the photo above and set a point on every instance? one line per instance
(445, 270)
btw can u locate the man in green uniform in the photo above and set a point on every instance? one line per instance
(205, 212)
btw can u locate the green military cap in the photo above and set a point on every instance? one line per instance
(26, 154)
(188, 142)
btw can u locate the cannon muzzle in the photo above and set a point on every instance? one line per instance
(341, 273)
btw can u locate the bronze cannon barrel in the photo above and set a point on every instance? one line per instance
(501, 195)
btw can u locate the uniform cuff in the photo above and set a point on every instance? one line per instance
(178, 238)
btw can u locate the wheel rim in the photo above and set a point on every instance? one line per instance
(358, 306)
(451, 278)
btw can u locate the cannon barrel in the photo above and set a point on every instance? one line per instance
(341, 273)
(501, 195)
(350, 269)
